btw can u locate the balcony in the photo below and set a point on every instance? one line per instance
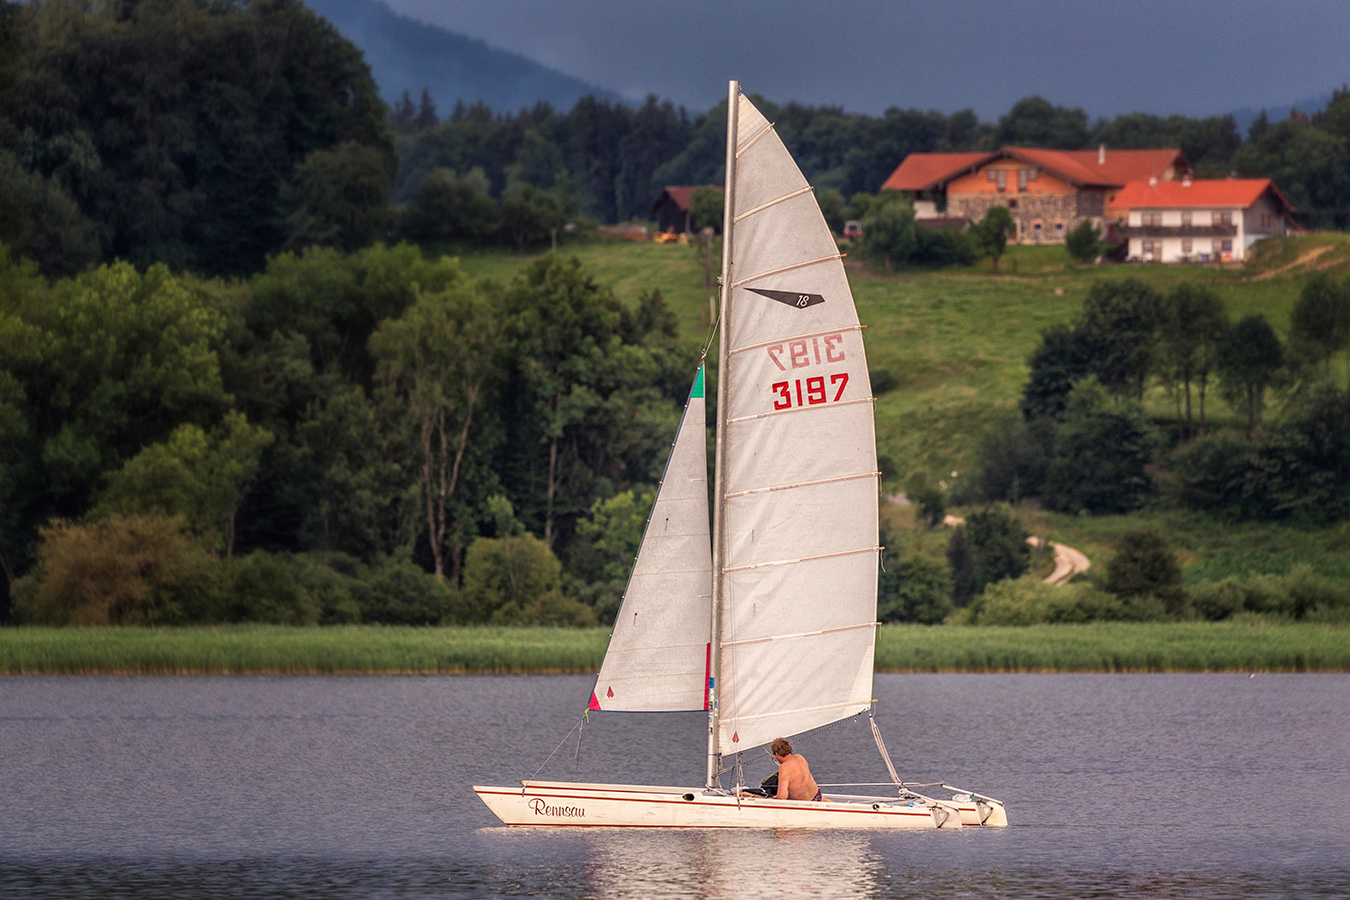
(1180, 231)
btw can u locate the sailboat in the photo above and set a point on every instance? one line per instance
(766, 618)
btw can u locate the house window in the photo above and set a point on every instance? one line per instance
(1218, 246)
(1186, 219)
(1225, 218)
(1227, 246)
(1148, 251)
(1152, 219)
(1021, 179)
(1036, 232)
(1002, 179)
(1186, 246)
(1059, 229)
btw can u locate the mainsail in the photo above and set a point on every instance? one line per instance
(798, 546)
(658, 653)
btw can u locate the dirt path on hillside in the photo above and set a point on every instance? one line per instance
(1068, 561)
(1307, 258)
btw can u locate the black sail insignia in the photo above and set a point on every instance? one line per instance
(795, 299)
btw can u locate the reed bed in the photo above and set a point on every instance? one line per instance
(1251, 646)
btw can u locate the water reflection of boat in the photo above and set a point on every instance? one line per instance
(731, 864)
(768, 620)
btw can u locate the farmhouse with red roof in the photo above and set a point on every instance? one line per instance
(1200, 220)
(1048, 192)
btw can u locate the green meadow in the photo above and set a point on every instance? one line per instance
(1247, 646)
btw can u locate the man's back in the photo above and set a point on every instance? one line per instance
(794, 779)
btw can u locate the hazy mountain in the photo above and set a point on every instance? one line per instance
(407, 55)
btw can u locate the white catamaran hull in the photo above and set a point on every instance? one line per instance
(644, 806)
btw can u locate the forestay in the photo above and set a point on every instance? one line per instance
(800, 480)
(658, 653)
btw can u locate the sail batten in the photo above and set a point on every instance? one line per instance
(781, 269)
(763, 206)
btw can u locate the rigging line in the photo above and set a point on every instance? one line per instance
(801, 737)
(763, 206)
(560, 743)
(781, 269)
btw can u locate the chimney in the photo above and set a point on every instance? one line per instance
(1186, 180)
(1101, 154)
(1153, 181)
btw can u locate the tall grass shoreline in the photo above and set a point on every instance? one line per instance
(1254, 646)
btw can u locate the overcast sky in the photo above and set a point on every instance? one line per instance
(1196, 57)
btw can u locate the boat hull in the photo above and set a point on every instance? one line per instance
(538, 803)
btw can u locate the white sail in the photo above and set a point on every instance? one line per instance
(658, 654)
(800, 483)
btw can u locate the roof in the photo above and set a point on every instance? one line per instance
(928, 171)
(1236, 193)
(925, 171)
(681, 194)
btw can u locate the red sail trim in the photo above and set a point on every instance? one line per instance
(595, 701)
(707, 675)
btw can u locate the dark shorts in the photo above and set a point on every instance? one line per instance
(817, 798)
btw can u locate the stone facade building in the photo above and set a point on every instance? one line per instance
(1048, 192)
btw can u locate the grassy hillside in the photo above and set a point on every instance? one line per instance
(957, 342)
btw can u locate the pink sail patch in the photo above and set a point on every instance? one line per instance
(595, 701)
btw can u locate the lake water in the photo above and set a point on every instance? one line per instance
(1210, 786)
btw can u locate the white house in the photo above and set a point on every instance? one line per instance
(1199, 220)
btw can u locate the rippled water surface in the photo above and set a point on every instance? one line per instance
(1117, 786)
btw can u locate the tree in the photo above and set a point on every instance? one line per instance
(1144, 566)
(1247, 362)
(1059, 361)
(342, 198)
(1302, 468)
(705, 209)
(998, 546)
(1035, 122)
(889, 231)
(199, 477)
(530, 216)
(991, 233)
(451, 207)
(1193, 322)
(1103, 449)
(518, 580)
(1321, 318)
(1118, 329)
(1083, 242)
(438, 360)
(913, 588)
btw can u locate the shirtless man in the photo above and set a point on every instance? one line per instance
(794, 775)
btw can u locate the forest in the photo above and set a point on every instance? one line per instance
(244, 379)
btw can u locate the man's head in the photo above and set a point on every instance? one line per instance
(781, 748)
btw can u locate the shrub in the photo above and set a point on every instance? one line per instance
(1102, 452)
(517, 580)
(401, 593)
(265, 588)
(123, 570)
(913, 588)
(1144, 566)
(1209, 473)
(1084, 241)
(990, 547)
(1030, 601)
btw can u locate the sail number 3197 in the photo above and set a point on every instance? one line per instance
(801, 354)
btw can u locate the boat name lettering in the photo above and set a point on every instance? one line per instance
(801, 353)
(808, 391)
(541, 808)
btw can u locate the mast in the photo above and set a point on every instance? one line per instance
(719, 456)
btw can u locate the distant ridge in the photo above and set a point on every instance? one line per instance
(407, 55)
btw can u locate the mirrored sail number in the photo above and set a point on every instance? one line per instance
(804, 352)
(808, 391)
